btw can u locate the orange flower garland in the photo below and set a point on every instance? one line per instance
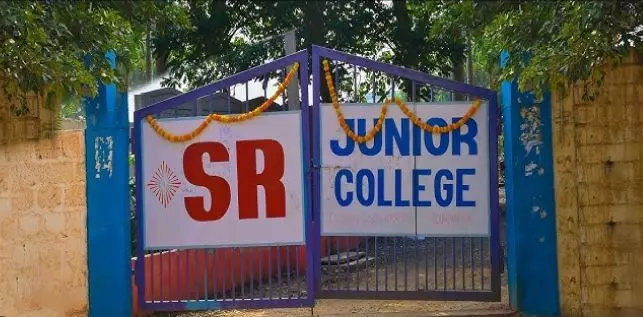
(437, 129)
(340, 116)
(223, 118)
(380, 120)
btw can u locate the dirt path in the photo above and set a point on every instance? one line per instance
(359, 308)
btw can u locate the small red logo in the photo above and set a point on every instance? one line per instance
(164, 184)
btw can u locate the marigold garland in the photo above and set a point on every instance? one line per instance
(224, 118)
(340, 116)
(380, 120)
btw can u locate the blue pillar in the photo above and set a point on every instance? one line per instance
(531, 219)
(108, 215)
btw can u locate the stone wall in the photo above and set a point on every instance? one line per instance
(598, 155)
(28, 120)
(43, 265)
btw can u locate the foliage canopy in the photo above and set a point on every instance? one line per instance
(44, 46)
(43, 43)
(550, 43)
(397, 32)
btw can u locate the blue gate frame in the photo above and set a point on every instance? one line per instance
(253, 294)
(468, 252)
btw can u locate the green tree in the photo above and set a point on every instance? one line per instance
(44, 44)
(563, 41)
(397, 32)
(194, 57)
(415, 46)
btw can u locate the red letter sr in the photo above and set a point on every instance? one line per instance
(269, 178)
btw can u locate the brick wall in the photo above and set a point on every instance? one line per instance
(598, 154)
(43, 265)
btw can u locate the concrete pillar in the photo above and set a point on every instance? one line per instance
(108, 213)
(531, 221)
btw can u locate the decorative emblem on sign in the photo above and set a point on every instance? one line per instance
(164, 184)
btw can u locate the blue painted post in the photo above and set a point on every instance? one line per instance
(531, 219)
(108, 214)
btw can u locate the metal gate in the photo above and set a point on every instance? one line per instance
(463, 268)
(228, 277)
(428, 267)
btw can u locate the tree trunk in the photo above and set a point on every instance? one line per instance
(407, 41)
(470, 79)
(315, 29)
(459, 75)
(148, 54)
(161, 61)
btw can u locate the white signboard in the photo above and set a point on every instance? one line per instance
(235, 184)
(405, 181)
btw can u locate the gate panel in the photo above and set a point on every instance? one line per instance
(201, 277)
(395, 262)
